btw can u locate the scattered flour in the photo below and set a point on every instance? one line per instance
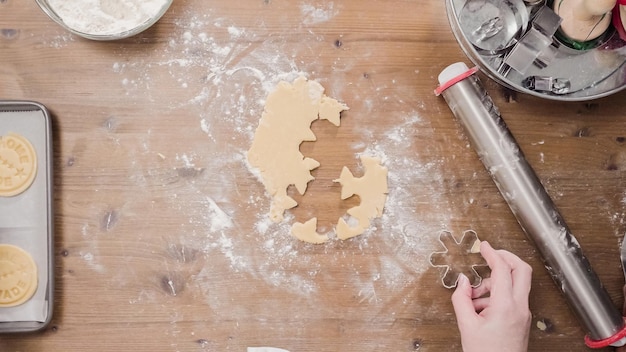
(211, 57)
(314, 15)
(618, 219)
(60, 40)
(90, 256)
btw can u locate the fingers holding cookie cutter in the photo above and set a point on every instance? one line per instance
(459, 257)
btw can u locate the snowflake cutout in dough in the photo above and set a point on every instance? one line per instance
(275, 150)
(459, 257)
(372, 190)
(275, 154)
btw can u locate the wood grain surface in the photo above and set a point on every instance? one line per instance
(162, 238)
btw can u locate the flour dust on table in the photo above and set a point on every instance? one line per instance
(223, 74)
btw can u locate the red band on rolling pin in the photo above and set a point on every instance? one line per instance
(608, 341)
(456, 80)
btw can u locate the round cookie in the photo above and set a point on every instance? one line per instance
(18, 164)
(18, 276)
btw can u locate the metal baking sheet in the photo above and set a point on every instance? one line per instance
(26, 219)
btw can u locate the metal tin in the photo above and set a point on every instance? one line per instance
(539, 62)
(26, 218)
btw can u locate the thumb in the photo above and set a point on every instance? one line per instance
(462, 301)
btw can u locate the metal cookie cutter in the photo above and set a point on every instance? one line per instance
(459, 257)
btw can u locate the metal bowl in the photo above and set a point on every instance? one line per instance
(540, 62)
(150, 20)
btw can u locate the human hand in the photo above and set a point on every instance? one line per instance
(495, 315)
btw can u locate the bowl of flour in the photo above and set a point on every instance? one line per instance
(105, 19)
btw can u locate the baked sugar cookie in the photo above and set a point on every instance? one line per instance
(18, 276)
(18, 164)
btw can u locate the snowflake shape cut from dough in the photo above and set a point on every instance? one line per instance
(275, 153)
(459, 257)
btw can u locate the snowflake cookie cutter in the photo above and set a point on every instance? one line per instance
(459, 257)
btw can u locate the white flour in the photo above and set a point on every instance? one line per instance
(314, 15)
(106, 17)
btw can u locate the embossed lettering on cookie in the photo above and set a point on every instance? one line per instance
(18, 276)
(18, 164)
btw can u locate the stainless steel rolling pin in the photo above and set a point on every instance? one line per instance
(532, 206)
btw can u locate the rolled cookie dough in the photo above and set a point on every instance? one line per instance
(307, 232)
(275, 152)
(284, 125)
(371, 188)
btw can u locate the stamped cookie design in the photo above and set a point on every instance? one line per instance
(18, 164)
(18, 276)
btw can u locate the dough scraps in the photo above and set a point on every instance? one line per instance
(307, 232)
(371, 188)
(18, 276)
(18, 164)
(285, 124)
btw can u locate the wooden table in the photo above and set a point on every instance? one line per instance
(162, 237)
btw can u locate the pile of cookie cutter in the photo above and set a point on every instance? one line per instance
(517, 43)
(459, 257)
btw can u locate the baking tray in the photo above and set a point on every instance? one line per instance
(26, 217)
